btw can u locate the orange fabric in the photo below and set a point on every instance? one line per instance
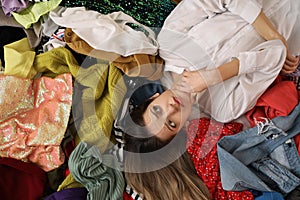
(297, 142)
(35, 118)
(148, 66)
(278, 100)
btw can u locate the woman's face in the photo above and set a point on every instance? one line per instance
(168, 113)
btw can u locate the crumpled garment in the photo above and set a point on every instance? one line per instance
(102, 86)
(99, 173)
(98, 103)
(9, 6)
(203, 135)
(32, 13)
(67, 194)
(112, 32)
(34, 33)
(278, 100)
(20, 180)
(34, 117)
(143, 65)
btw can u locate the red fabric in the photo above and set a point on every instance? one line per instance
(278, 100)
(69, 147)
(21, 180)
(203, 135)
(126, 196)
(297, 142)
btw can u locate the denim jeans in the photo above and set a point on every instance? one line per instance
(262, 158)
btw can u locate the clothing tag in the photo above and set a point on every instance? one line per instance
(288, 141)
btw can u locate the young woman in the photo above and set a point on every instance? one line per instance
(221, 55)
(155, 169)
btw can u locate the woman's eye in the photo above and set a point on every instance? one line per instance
(172, 124)
(157, 109)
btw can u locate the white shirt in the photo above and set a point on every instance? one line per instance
(205, 34)
(109, 32)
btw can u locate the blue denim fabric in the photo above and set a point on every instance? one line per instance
(268, 148)
(279, 174)
(269, 196)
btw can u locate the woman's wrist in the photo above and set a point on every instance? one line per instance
(211, 77)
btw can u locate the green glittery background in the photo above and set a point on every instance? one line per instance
(151, 13)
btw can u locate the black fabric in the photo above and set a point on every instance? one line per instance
(8, 35)
(294, 195)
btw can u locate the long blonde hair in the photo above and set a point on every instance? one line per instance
(177, 180)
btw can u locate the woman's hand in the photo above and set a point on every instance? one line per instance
(191, 81)
(290, 64)
(197, 81)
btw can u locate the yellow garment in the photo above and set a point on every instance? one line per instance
(101, 100)
(102, 95)
(22, 61)
(69, 182)
(19, 58)
(57, 61)
(31, 14)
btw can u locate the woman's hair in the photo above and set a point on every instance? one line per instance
(156, 169)
(176, 177)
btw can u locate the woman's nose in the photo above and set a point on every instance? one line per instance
(173, 105)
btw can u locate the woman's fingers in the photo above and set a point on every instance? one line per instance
(292, 60)
(291, 64)
(288, 69)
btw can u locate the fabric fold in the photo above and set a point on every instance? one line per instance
(99, 173)
(34, 124)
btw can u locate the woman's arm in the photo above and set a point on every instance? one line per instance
(197, 81)
(266, 29)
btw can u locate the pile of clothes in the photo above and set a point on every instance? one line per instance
(67, 67)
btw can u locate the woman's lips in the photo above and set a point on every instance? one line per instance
(178, 101)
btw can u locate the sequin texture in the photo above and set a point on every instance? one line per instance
(34, 134)
(151, 13)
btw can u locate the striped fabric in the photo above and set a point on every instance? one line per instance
(98, 173)
(134, 195)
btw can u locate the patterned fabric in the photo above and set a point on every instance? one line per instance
(33, 118)
(151, 13)
(203, 135)
(132, 193)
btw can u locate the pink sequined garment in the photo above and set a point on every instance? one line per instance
(33, 118)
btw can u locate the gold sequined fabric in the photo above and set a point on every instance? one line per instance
(34, 117)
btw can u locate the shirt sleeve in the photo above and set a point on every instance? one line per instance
(185, 15)
(247, 9)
